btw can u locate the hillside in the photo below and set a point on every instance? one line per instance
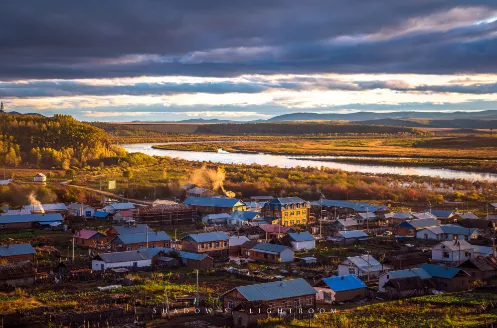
(58, 142)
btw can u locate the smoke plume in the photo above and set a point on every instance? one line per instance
(35, 202)
(211, 179)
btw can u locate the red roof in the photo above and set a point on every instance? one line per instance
(274, 228)
(85, 234)
(126, 213)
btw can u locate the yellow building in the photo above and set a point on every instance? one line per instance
(287, 211)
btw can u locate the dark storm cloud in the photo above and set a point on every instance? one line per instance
(90, 39)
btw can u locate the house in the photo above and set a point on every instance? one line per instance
(340, 289)
(447, 232)
(447, 278)
(40, 177)
(135, 241)
(81, 210)
(347, 224)
(28, 221)
(271, 253)
(403, 274)
(285, 294)
(17, 274)
(100, 215)
(187, 259)
(123, 216)
(349, 237)
(336, 208)
(409, 260)
(363, 266)
(410, 228)
(60, 208)
(212, 205)
(464, 216)
(90, 238)
(127, 259)
(127, 229)
(244, 217)
(114, 207)
(199, 192)
(399, 217)
(287, 211)
(484, 225)
(444, 216)
(235, 245)
(215, 244)
(409, 287)
(452, 251)
(17, 253)
(274, 231)
(480, 267)
(365, 218)
(246, 247)
(216, 219)
(299, 241)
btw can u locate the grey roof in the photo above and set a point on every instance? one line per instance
(126, 256)
(440, 213)
(416, 272)
(269, 248)
(301, 236)
(367, 215)
(276, 290)
(452, 229)
(139, 228)
(467, 215)
(16, 249)
(121, 206)
(456, 245)
(24, 218)
(348, 222)
(353, 234)
(402, 215)
(356, 206)
(206, 237)
(142, 237)
(213, 201)
(366, 263)
(486, 250)
(182, 254)
(423, 215)
(238, 241)
(61, 207)
(287, 200)
(420, 223)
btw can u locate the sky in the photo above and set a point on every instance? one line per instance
(128, 60)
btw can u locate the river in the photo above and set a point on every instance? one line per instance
(287, 161)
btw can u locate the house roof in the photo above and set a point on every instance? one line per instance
(23, 218)
(440, 271)
(275, 228)
(213, 201)
(348, 222)
(353, 234)
(451, 229)
(238, 241)
(16, 212)
(342, 283)
(402, 215)
(126, 256)
(410, 283)
(142, 237)
(269, 248)
(420, 223)
(440, 213)
(60, 207)
(99, 214)
(467, 215)
(276, 290)
(86, 234)
(423, 215)
(206, 237)
(16, 249)
(125, 213)
(482, 263)
(483, 250)
(300, 236)
(356, 206)
(182, 254)
(120, 206)
(367, 215)
(244, 215)
(287, 200)
(456, 245)
(366, 263)
(139, 228)
(77, 206)
(416, 272)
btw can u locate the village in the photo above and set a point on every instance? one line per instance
(245, 260)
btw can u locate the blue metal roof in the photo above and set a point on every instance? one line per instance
(301, 236)
(276, 290)
(244, 215)
(206, 237)
(420, 223)
(416, 272)
(24, 218)
(142, 237)
(356, 206)
(440, 271)
(440, 213)
(16, 249)
(214, 202)
(99, 214)
(269, 248)
(353, 234)
(342, 283)
(287, 200)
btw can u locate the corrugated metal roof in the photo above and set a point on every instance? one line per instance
(142, 237)
(356, 206)
(342, 283)
(287, 200)
(46, 207)
(276, 290)
(423, 215)
(483, 250)
(269, 248)
(364, 261)
(420, 223)
(23, 218)
(139, 228)
(182, 254)
(467, 215)
(452, 229)
(348, 222)
(456, 245)
(126, 256)
(85, 234)
(206, 237)
(120, 206)
(301, 236)
(353, 234)
(440, 213)
(16, 249)
(99, 214)
(215, 202)
(238, 241)
(244, 215)
(416, 272)
(402, 215)
(440, 271)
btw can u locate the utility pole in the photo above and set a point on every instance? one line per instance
(167, 301)
(197, 299)
(73, 249)
(146, 234)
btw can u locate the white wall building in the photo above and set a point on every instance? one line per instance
(137, 259)
(364, 266)
(452, 251)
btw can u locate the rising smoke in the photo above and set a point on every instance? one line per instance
(211, 179)
(35, 202)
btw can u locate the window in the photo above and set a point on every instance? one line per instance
(203, 245)
(308, 301)
(292, 213)
(303, 220)
(128, 248)
(296, 302)
(225, 243)
(298, 212)
(217, 244)
(135, 264)
(2, 226)
(298, 221)
(210, 245)
(286, 213)
(291, 222)
(351, 270)
(446, 255)
(230, 304)
(304, 211)
(284, 303)
(467, 254)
